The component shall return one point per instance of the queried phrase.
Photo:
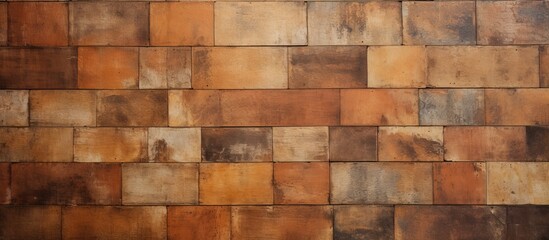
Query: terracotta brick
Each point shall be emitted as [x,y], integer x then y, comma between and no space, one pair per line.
[451,107]
[363,222]
[537,143]
[5,190]
[159,183]
[109,23]
[502,22]
[3,24]
[30,222]
[236,183]
[356,23]
[38,24]
[261,23]
[62,108]
[240,68]
[194,107]
[327,67]
[301,183]
[517,106]
[164,68]
[14,108]
[174,144]
[518,183]
[114,223]
[34,68]
[300,144]
[459,183]
[353,144]
[397,67]
[282,222]
[381,183]
[36,144]
[544,66]
[108,68]
[199,222]
[132,108]
[449,222]
[410,144]
[65,183]
[475,66]
[110,145]
[379,107]
[182,23]
[439,23]
[527,222]
[237,144]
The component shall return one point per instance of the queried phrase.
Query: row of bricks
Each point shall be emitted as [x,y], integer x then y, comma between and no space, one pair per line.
[274,23]
[275,67]
[274,183]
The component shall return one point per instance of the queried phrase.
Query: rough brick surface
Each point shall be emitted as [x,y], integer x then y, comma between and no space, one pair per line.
[300,144]
[517,106]
[518,183]
[110,145]
[544,66]
[174,144]
[38,24]
[353,144]
[168,67]
[30,222]
[527,222]
[363,222]
[132,108]
[301,183]
[237,145]
[181,23]
[199,222]
[379,107]
[459,183]
[397,67]
[48,144]
[62,108]
[451,107]
[410,144]
[107,68]
[14,108]
[3,24]
[5,176]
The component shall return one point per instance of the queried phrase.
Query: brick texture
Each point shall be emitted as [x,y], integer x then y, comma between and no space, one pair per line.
[38,24]
[107,68]
[48,144]
[237,145]
[301,183]
[363,222]
[62,108]
[14,108]
[199,222]
[32,222]
[165,67]
[181,24]
[379,107]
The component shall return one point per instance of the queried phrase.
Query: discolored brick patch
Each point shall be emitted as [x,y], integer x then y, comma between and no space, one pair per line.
[30,222]
[3,24]
[14,108]
[410,144]
[181,23]
[397,67]
[36,144]
[301,183]
[363,222]
[518,183]
[459,183]
[379,107]
[108,68]
[517,106]
[110,145]
[237,144]
[291,144]
[527,222]
[451,107]
[174,144]
[62,108]
[199,222]
[537,143]
[38,24]
[194,108]
[132,108]
[353,143]
[5,181]
[544,66]
[161,67]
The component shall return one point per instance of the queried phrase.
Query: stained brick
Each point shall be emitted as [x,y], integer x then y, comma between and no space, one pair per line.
[108,68]
[300,144]
[397,67]
[110,145]
[301,183]
[537,143]
[363,222]
[410,144]
[5,190]
[527,222]
[36,144]
[261,23]
[182,23]
[517,106]
[194,108]
[38,24]
[353,144]
[132,108]
[451,107]
[459,183]
[62,108]
[544,66]
[174,144]
[30,222]
[65,183]
[199,222]
[14,108]
[237,144]
[518,183]
[3,24]
[164,68]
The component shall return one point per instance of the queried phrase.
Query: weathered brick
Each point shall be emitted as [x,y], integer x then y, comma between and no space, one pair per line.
[451,107]
[108,68]
[114,223]
[62,108]
[487,66]
[14,108]
[363,222]
[38,24]
[327,67]
[410,144]
[397,67]
[509,22]
[381,183]
[282,222]
[356,23]
[30,222]
[517,106]
[174,144]
[353,144]
[110,145]
[109,23]
[5,190]
[3,24]
[301,144]
[236,183]
[36,144]
[527,222]
[159,183]
[537,143]
[240,68]
[379,107]
[132,108]
[194,108]
[261,23]
[199,222]
[518,183]
[161,67]
[65,183]
[182,23]
[301,183]
[459,183]
[237,144]
[544,66]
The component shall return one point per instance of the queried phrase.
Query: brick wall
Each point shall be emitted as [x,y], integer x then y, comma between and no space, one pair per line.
[274,120]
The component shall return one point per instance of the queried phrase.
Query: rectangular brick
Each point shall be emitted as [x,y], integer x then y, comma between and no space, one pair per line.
[65,183]
[30,222]
[3,24]
[132,108]
[14,108]
[240,68]
[363,222]
[487,66]
[237,144]
[544,66]
[379,107]
[527,222]
[109,23]
[381,183]
[199,222]
[410,144]
[356,23]
[327,67]
[163,67]
[62,108]
[35,68]
[36,144]
[397,67]
[194,108]
[38,24]
[459,183]
[110,145]
[517,106]
[353,144]
[537,143]
[108,68]
[5,190]
[300,144]
[451,107]
[518,183]
[182,23]
[174,144]
[236,183]
[301,183]
[261,23]
[282,222]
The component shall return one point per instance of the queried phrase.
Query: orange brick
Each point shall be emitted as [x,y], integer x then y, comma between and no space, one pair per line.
[110,145]
[396,67]
[379,107]
[518,183]
[410,144]
[30,222]
[239,68]
[544,66]
[3,24]
[36,144]
[164,68]
[5,190]
[451,107]
[292,144]
[527,222]
[199,222]
[459,183]
[62,108]
[194,108]
[38,24]
[14,108]
[132,108]
[174,144]
[301,183]
[109,68]
[353,144]
[517,106]
[237,145]
[363,222]
[236,183]
[182,23]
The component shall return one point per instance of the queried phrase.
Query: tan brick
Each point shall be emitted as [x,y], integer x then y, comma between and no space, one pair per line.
[194,108]
[356,23]
[199,222]
[38,24]
[14,108]
[517,106]
[240,68]
[518,183]
[36,144]
[260,23]
[353,144]
[379,107]
[300,144]
[236,183]
[451,107]
[108,68]
[237,144]
[282,222]
[182,23]
[544,66]
[397,67]
[3,24]
[164,67]
[62,108]
[527,222]
[110,145]
[537,143]
[301,183]
[459,183]
[30,222]
[475,66]
[5,190]
[174,144]
[410,144]
[132,108]
[363,222]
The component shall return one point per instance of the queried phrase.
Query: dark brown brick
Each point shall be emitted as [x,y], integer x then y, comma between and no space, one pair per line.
[353,144]
[527,222]
[30,222]
[199,222]
[3,24]
[363,222]
[237,144]
[537,143]
[36,144]
[132,108]
[5,192]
